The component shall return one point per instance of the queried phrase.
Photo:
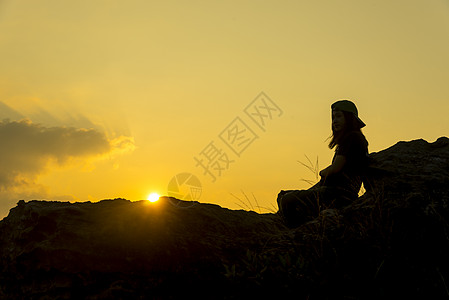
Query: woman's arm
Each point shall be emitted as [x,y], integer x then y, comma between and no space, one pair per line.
[336,166]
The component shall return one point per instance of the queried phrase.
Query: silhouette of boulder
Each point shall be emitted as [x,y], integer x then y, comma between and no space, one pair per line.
[77,249]
[412,167]
[392,242]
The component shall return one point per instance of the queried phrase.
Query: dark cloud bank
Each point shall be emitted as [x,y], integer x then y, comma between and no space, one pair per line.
[28,149]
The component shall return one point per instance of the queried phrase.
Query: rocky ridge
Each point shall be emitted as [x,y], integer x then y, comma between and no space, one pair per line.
[392,242]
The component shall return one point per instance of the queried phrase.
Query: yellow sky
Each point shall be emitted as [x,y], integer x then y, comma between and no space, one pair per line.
[161,80]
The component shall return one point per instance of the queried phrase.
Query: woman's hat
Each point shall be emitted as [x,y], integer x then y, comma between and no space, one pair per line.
[349,106]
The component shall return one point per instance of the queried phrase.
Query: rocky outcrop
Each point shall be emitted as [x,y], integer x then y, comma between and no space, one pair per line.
[391,243]
[83,248]
[413,167]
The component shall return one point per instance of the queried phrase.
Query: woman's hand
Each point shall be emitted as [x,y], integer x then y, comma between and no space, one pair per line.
[336,166]
[323,172]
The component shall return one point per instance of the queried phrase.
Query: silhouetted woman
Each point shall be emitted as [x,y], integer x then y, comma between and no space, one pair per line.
[341,181]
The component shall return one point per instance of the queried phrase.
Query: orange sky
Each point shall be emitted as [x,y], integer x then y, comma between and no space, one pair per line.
[105,99]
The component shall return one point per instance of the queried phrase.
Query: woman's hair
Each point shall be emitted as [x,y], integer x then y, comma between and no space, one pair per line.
[351,124]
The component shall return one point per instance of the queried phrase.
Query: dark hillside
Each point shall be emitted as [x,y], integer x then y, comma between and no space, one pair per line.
[392,243]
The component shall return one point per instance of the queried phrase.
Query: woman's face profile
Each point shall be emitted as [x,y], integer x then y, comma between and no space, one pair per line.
[338,120]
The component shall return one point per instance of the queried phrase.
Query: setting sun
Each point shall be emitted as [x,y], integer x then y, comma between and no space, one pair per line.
[153,197]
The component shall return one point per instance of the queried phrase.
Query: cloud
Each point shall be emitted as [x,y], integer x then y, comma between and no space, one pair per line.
[32,109]
[34,141]
[7,112]
[28,148]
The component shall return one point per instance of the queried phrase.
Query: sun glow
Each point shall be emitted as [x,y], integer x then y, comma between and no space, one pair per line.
[153,197]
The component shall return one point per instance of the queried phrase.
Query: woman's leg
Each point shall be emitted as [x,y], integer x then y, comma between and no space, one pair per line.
[298,207]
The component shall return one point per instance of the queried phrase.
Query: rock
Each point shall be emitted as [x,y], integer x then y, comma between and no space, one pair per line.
[80,248]
[413,167]
[390,243]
